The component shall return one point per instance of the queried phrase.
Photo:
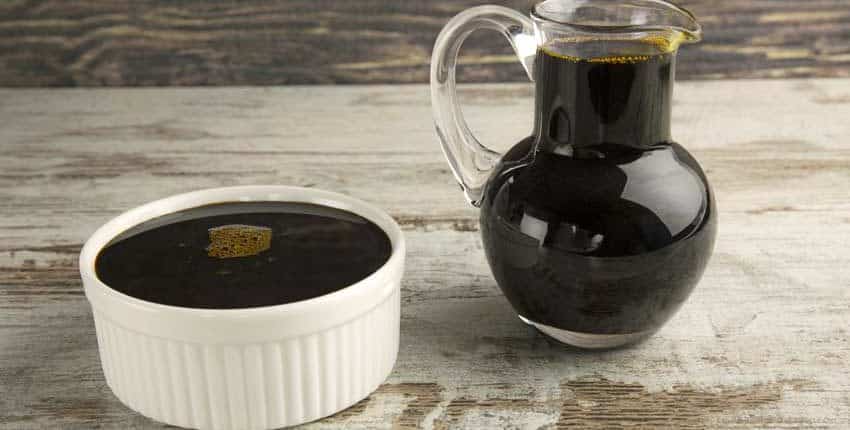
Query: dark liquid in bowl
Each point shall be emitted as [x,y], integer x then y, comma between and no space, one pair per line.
[243,254]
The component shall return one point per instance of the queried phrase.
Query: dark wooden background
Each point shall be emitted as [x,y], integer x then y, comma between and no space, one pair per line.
[254,42]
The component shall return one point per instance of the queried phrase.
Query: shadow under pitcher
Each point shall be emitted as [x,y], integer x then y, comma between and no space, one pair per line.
[598,226]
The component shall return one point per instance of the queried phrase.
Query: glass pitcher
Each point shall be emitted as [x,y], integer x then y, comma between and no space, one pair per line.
[598,226]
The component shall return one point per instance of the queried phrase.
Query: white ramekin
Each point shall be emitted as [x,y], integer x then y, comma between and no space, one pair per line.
[258,368]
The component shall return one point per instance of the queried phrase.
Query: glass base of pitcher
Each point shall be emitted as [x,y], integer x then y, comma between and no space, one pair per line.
[589,340]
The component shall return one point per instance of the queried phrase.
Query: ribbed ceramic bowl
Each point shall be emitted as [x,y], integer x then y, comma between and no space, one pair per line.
[257,368]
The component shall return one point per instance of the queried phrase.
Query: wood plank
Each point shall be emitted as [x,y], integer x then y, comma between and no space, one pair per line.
[216,42]
[763,342]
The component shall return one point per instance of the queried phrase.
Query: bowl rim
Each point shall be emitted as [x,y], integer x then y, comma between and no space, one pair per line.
[371,288]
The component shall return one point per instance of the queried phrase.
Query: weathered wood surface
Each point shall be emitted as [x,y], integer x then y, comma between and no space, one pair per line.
[763,342]
[256,42]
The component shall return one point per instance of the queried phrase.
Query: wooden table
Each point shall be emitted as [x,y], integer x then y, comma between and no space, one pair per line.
[763,342]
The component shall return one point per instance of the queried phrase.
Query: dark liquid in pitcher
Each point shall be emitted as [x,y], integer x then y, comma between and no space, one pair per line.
[598,223]
[620,99]
[244,254]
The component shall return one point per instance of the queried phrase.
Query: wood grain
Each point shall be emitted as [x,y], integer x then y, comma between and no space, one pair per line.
[253,42]
[763,342]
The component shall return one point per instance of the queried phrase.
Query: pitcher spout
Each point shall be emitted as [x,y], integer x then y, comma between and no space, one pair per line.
[664,23]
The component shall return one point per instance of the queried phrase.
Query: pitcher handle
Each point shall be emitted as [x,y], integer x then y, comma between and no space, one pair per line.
[470,161]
